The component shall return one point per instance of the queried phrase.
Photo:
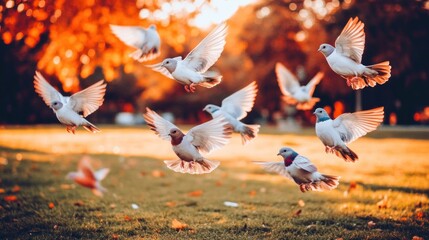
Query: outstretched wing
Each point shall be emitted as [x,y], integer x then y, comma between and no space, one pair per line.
[130,35]
[351,41]
[210,135]
[288,83]
[158,124]
[207,52]
[159,68]
[304,163]
[354,125]
[276,167]
[48,93]
[309,88]
[89,99]
[241,102]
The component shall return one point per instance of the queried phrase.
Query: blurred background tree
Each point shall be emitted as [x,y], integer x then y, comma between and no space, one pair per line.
[71,44]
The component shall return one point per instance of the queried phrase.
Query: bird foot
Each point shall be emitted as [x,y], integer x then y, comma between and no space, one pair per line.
[329,149]
[190,88]
[73,129]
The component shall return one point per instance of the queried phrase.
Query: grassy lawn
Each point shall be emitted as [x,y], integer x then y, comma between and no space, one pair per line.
[383,196]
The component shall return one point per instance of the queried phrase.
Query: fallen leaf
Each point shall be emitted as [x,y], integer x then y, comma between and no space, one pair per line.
[176,225]
[252,193]
[301,203]
[170,204]
[55,226]
[112,205]
[419,214]
[158,173]
[417,238]
[78,203]
[371,224]
[352,186]
[263,190]
[127,218]
[51,205]
[383,203]
[52,189]
[16,189]
[196,193]
[2,190]
[115,236]
[219,183]
[403,219]
[10,198]
[67,186]
[143,173]
[3,161]
[339,239]
[297,213]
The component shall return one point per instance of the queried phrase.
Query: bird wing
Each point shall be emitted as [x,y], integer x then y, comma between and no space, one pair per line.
[311,86]
[304,163]
[288,83]
[48,93]
[241,102]
[207,52]
[354,125]
[131,36]
[101,173]
[89,99]
[210,135]
[351,41]
[158,124]
[276,167]
[159,68]
[84,167]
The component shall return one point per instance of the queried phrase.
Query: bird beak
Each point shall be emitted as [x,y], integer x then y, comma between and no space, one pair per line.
[278,154]
[320,49]
[314,112]
[205,109]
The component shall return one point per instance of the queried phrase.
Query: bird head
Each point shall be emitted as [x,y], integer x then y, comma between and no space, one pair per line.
[326,49]
[176,136]
[170,64]
[210,108]
[286,152]
[56,105]
[321,114]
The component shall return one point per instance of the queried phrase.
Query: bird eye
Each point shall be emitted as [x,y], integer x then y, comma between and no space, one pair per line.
[167,62]
[324,47]
[174,131]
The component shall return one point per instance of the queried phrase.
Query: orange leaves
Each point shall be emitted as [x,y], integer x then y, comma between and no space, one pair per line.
[51,205]
[297,213]
[16,189]
[371,224]
[196,193]
[10,198]
[252,193]
[127,218]
[178,226]
[301,203]
[2,190]
[383,203]
[170,204]
[158,173]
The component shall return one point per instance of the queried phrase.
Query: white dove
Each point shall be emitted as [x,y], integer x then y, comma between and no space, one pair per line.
[146,41]
[203,138]
[293,93]
[234,108]
[301,170]
[192,70]
[346,128]
[67,109]
[86,177]
[345,59]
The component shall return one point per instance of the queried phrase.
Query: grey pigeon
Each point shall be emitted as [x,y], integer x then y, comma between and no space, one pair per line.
[234,108]
[345,58]
[68,109]
[192,70]
[203,138]
[146,41]
[293,92]
[301,170]
[346,128]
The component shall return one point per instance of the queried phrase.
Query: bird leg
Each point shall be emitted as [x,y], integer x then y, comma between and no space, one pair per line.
[192,87]
[329,149]
[73,129]
[302,187]
[68,128]
[187,88]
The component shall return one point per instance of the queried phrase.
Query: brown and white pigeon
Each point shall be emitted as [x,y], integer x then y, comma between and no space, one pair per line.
[301,170]
[203,138]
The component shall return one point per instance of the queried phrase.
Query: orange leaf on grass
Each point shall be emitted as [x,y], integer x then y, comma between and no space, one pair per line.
[10,198]
[66,186]
[301,203]
[127,218]
[419,213]
[196,193]
[158,173]
[176,225]
[383,203]
[252,193]
[51,205]
[170,204]
[417,238]
[115,236]
[371,224]
[78,203]
[297,213]
[16,189]
[2,190]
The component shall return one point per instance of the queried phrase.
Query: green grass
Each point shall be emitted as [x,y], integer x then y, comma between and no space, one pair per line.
[268,204]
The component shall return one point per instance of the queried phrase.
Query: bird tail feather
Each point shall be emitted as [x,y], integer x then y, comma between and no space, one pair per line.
[346,153]
[211,79]
[195,167]
[382,75]
[307,105]
[328,182]
[91,127]
[249,133]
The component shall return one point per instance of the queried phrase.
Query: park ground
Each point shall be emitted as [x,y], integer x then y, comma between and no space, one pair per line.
[382,196]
